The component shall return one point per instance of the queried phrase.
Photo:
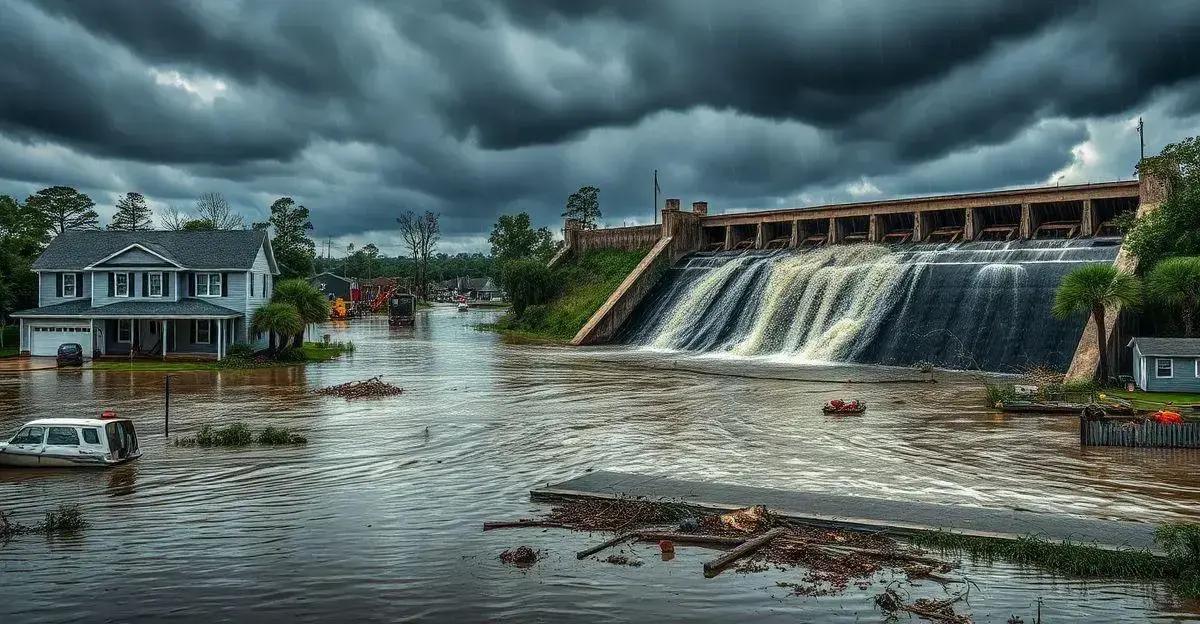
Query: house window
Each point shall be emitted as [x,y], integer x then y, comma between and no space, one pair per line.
[208,284]
[264,286]
[251,284]
[1164,368]
[68,282]
[121,285]
[125,330]
[155,284]
[201,332]
[1198,368]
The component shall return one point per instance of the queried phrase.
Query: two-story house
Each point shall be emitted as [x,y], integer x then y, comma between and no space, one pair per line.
[150,293]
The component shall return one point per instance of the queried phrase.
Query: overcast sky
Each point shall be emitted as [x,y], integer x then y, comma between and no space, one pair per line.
[360,110]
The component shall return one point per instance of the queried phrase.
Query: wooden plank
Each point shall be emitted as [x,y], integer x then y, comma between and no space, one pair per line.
[607,544]
[745,548]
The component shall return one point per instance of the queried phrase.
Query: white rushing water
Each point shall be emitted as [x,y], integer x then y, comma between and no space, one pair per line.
[968,305]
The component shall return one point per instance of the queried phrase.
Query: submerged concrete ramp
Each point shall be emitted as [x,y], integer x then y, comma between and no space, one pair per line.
[859,513]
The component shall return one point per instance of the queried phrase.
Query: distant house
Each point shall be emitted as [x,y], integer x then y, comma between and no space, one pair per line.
[149,293]
[1166,364]
[335,286]
[477,288]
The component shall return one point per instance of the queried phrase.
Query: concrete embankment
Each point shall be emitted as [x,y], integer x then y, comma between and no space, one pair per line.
[858,513]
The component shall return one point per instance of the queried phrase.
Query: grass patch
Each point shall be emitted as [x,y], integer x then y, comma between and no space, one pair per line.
[239,434]
[1180,570]
[1155,400]
[310,353]
[583,286]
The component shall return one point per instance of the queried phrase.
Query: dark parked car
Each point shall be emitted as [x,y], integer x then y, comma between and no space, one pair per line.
[70,354]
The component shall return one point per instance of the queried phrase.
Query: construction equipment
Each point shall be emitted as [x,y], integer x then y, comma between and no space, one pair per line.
[384,298]
[338,311]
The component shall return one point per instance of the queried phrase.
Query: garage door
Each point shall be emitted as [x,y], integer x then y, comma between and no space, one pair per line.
[45,339]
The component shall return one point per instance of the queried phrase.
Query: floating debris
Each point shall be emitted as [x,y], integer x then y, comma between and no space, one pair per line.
[521,556]
[62,520]
[365,389]
[623,560]
[752,540]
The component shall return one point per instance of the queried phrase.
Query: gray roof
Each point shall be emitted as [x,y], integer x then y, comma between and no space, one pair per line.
[329,274]
[187,307]
[216,249]
[470,283]
[1168,347]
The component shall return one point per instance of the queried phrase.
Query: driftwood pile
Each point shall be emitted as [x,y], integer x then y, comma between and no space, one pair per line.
[753,540]
[365,389]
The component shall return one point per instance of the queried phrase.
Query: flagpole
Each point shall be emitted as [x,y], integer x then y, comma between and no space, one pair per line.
[655,209]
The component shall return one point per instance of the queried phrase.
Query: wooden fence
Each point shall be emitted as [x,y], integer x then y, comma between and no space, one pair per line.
[1138,433]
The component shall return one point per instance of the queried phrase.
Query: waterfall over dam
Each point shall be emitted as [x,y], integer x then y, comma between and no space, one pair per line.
[975,305]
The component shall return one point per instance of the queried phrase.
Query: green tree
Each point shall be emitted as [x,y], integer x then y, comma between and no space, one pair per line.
[312,305]
[64,208]
[528,282]
[584,206]
[1176,283]
[23,235]
[132,215]
[277,319]
[294,250]
[1173,229]
[513,238]
[1094,288]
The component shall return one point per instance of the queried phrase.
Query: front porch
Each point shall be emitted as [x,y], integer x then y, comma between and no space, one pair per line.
[186,338]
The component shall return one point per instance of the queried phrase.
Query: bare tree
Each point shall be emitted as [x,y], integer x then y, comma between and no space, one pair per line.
[420,234]
[172,219]
[216,211]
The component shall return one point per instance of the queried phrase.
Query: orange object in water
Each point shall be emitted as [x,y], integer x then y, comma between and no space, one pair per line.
[1167,417]
[667,546]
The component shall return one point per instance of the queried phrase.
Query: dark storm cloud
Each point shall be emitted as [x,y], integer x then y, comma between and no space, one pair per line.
[363,108]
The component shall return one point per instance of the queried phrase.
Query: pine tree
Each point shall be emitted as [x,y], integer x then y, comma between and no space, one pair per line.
[584,205]
[64,208]
[132,214]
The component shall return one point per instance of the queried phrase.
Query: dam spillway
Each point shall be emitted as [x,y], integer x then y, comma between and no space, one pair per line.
[975,305]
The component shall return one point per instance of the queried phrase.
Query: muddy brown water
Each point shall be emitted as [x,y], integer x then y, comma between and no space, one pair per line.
[378,517]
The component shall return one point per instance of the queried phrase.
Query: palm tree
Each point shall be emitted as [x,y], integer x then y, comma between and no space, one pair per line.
[1176,282]
[308,301]
[280,319]
[1095,288]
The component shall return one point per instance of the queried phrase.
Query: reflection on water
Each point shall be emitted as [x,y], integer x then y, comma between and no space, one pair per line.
[378,517]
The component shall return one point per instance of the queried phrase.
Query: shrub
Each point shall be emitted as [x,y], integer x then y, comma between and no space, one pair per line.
[63,519]
[279,435]
[1181,540]
[241,350]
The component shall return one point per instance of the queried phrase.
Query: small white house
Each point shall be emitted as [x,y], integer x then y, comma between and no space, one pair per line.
[1166,364]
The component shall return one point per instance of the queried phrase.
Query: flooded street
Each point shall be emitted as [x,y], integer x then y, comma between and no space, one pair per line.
[378,517]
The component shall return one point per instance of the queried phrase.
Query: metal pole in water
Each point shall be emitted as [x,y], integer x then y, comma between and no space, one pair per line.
[167,406]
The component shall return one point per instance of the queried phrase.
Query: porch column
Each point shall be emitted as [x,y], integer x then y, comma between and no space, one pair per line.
[92,332]
[20,336]
[220,337]
[164,338]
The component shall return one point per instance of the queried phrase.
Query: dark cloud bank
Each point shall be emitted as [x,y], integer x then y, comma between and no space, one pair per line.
[363,109]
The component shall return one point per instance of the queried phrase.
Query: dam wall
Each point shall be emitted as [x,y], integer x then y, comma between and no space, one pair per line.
[1000,252]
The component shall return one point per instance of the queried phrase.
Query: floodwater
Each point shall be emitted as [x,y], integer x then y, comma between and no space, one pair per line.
[378,517]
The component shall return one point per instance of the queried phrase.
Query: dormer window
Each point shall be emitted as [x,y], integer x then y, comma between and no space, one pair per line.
[121,285]
[155,284]
[68,285]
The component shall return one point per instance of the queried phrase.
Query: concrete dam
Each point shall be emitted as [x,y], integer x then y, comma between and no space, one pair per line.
[961,305]
[956,281]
